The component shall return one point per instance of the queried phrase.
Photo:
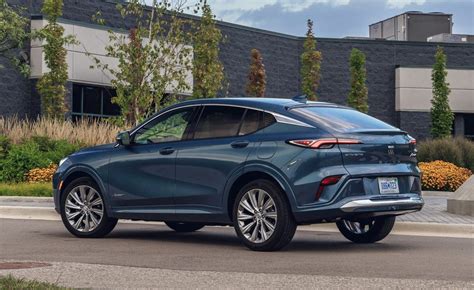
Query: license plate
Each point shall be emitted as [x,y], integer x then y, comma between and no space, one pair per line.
[388,185]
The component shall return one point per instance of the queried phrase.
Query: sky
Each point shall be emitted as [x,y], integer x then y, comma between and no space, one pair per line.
[335,18]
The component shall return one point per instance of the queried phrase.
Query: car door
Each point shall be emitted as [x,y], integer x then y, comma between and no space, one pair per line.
[142,175]
[219,147]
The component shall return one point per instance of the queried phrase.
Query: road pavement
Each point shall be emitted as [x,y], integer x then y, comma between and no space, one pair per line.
[141,255]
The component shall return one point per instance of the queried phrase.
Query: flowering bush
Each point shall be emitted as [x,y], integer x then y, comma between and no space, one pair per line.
[41,174]
[441,175]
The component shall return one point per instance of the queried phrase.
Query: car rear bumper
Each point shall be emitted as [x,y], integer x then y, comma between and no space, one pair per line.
[367,204]
[361,207]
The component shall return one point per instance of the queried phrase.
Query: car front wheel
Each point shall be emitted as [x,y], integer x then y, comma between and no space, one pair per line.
[368,230]
[262,216]
[83,210]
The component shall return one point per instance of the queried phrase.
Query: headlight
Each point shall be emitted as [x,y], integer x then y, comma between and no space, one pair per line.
[62,161]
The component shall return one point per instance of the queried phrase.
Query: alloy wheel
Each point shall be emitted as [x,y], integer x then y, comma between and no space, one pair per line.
[257,215]
[84,208]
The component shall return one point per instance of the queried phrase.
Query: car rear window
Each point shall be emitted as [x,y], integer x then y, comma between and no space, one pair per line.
[341,119]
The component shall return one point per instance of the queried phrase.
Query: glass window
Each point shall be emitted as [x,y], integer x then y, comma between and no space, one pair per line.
[167,128]
[341,119]
[268,119]
[469,126]
[110,108]
[218,121]
[92,100]
[251,122]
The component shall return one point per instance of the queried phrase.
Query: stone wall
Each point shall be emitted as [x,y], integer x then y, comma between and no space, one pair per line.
[281,57]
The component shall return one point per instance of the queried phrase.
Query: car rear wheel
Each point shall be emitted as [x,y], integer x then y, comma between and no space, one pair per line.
[184,227]
[83,210]
[262,216]
[366,231]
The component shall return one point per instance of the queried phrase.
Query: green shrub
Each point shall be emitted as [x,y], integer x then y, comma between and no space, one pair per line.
[54,150]
[19,160]
[5,144]
[458,151]
[35,152]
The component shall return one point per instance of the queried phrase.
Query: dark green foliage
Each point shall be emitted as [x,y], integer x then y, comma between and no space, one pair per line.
[19,160]
[5,144]
[458,151]
[208,71]
[358,95]
[36,152]
[441,115]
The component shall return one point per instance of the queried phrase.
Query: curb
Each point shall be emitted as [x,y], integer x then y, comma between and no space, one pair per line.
[401,228]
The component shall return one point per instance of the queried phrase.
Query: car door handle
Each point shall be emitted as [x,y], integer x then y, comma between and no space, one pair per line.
[166,151]
[239,144]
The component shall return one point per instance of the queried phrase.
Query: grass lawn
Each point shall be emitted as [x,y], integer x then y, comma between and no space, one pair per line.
[26,189]
[10,282]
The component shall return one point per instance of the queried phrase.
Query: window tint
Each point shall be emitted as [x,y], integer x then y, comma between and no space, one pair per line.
[341,119]
[170,127]
[251,122]
[268,119]
[218,121]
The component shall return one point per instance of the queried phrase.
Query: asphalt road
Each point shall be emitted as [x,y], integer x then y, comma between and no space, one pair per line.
[217,250]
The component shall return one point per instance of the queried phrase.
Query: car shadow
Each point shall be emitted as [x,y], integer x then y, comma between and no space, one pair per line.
[226,237]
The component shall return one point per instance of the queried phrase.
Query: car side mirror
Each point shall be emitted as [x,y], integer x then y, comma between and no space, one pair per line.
[123,138]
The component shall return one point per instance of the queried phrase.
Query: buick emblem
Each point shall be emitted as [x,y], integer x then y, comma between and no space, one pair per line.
[391,150]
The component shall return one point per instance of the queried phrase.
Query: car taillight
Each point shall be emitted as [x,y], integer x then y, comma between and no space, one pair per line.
[412,142]
[330,180]
[324,143]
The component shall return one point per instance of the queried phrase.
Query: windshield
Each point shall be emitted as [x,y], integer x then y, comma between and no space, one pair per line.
[341,119]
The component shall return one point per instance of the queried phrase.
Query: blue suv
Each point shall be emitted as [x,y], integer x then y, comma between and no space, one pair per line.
[261,165]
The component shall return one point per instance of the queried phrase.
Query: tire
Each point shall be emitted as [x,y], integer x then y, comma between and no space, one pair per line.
[184,227]
[272,210]
[377,229]
[88,193]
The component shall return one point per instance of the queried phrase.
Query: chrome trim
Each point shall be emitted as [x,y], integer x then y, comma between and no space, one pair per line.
[367,203]
[287,120]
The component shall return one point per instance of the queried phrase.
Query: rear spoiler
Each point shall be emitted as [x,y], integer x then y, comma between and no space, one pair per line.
[380,131]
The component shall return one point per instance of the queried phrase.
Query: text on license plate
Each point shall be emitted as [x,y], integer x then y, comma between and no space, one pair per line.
[388,185]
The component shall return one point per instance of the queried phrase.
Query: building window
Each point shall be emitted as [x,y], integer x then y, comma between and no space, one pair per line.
[469,126]
[93,101]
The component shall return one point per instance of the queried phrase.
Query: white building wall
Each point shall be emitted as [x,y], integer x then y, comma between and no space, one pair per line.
[413,89]
[91,39]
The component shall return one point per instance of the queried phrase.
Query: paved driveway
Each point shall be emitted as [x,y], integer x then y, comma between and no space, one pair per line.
[143,255]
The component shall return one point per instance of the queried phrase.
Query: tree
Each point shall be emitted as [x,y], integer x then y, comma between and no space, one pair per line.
[153,58]
[358,94]
[256,79]
[13,34]
[310,65]
[441,115]
[208,71]
[52,85]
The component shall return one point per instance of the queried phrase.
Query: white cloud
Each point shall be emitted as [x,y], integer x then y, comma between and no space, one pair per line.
[403,3]
[232,10]
[252,5]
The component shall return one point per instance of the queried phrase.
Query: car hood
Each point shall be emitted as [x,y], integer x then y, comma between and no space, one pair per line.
[94,149]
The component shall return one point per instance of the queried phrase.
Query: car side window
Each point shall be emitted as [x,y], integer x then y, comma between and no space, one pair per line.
[167,128]
[218,121]
[251,122]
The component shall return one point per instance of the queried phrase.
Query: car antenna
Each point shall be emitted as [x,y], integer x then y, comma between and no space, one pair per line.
[300,99]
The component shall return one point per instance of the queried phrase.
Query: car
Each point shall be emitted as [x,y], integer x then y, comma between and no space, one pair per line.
[261,165]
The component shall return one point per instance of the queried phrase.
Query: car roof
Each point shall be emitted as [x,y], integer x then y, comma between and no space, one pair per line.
[271,104]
